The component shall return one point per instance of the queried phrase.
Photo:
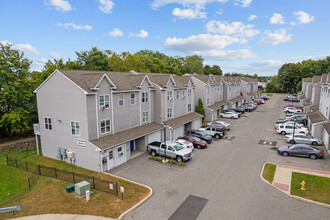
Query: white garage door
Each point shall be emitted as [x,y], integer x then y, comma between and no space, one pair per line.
[177,132]
[196,124]
[326,139]
[154,137]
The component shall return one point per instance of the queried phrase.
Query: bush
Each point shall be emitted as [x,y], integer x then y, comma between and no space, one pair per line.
[172,162]
[181,164]
[160,159]
[200,108]
[152,158]
[274,148]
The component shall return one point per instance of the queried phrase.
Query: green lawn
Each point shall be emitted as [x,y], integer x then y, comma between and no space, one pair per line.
[48,194]
[269,172]
[317,188]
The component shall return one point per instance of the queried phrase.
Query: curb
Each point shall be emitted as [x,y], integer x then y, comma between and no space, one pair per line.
[139,203]
[293,196]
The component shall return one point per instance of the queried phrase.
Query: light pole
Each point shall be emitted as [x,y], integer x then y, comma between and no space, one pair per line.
[164,125]
[294,127]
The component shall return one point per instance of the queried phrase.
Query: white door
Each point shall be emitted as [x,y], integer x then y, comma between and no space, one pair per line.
[196,124]
[111,161]
[326,139]
[154,137]
[120,154]
[177,132]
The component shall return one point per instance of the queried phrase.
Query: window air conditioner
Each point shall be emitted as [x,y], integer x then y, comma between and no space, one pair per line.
[101,108]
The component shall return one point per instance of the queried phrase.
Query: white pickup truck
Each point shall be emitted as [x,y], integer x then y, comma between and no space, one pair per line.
[173,150]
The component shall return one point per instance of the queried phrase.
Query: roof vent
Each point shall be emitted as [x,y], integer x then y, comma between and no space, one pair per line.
[132,72]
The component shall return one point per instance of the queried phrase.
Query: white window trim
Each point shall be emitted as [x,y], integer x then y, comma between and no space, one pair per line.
[189,93]
[169,95]
[145,97]
[171,112]
[119,100]
[143,116]
[104,95]
[133,99]
[177,94]
[51,123]
[190,107]
[78,135]
[105,126]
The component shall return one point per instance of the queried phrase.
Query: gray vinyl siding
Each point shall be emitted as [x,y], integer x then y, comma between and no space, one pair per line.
[54,102]
[104,89]
[157,105]
[180,104]
[200,91]
[91,116]
[170,104]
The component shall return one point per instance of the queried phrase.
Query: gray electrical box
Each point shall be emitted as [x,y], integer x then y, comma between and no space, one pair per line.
[81,188]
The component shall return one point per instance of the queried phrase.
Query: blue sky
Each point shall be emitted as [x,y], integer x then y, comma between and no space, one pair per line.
[248,36]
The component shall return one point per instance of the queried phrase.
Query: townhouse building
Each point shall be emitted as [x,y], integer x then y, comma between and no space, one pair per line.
[99,120]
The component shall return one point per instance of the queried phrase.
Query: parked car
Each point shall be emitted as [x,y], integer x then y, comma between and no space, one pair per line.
[290,128]
[289,123]
[291,110]
[226,124]
[173,150]
[213,131]
[248,107]
[295,106]
[265,96]
[239,109]
[185,144]
[290,97]
[259,101]
[220,127]
[200,134]
[303,139]
[197,142]
[233,111]
[301,150]
[295,99]
[298,121]
[228,115]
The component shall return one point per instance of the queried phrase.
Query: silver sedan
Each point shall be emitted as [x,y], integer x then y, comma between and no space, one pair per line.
[303,139]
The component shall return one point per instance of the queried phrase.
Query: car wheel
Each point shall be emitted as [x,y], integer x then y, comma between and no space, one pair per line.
[283,133]
[302,132]
[179,159]
[153,153]
[285,154]
[287,111]
[221,116]
[232,117]
[199,146]
[314,143]
[217,136]
[312,156]
[292,142]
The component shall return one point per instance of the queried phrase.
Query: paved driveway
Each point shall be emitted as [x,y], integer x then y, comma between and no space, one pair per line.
[226,175]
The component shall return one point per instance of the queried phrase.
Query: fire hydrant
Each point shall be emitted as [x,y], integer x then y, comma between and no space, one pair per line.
[303,185]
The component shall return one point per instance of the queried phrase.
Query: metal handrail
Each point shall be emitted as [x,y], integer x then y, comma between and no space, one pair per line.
[12,209]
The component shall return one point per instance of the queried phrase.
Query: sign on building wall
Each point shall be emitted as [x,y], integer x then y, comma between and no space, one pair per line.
[81,143]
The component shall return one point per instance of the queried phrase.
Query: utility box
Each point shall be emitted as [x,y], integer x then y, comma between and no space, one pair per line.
[69,188]
[81,188]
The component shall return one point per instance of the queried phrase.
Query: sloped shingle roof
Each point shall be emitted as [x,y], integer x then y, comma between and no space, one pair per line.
[181,120]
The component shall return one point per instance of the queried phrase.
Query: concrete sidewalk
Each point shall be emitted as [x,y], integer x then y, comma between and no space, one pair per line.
[283,176]
[63,217]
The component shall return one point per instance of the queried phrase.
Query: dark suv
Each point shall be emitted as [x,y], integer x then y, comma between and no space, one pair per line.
[200,134]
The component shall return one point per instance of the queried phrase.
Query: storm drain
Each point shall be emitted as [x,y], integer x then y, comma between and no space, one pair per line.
[189,209]
[271,143]
[229,138]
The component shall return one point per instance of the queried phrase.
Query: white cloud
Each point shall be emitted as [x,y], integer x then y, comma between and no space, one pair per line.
[293,23]
[226,54]
[252,17]
[40,62]
[106,6]
[265,65]
[21,47]
[188,13]
[116,33]
[219,11]
[202,42]
[142,34]
[246,3]
[236,28]
[75,26]
[198,3]
[279,36]
[60,5]
[54,55]
[303,17]
[277,19]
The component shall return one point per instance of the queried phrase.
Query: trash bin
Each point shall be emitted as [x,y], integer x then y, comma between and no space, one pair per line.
[69,188]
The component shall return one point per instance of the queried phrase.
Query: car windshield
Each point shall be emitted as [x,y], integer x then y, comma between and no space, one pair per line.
[197,139]
[177,147]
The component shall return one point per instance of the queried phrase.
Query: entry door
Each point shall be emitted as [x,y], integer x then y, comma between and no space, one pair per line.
[104,162]
[120,154]
[111,160]
[132,145]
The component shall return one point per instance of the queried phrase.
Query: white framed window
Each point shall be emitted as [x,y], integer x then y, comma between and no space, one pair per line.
[177,94]
[48,124]
[189,92]
[189,107]
[75,128]
[104,101]
[133,98]
[145,116]
[145,97]
[183,94]
[169,95]
[169,113]
[105,126]
[121,99]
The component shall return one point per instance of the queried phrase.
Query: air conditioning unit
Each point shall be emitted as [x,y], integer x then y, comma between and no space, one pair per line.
[101,108]
[70,154]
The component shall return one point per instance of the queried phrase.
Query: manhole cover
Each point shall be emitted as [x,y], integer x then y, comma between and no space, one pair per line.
[264,142]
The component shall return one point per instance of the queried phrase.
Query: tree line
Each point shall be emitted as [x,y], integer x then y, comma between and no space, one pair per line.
[290,75]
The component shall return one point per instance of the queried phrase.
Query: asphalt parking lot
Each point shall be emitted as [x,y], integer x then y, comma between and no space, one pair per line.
[224,178]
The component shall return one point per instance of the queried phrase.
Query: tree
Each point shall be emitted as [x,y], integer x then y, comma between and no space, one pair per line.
[199,108]
[193,64]
[125,62]
[289,75]
[93,59]
[17,101]
[273,86]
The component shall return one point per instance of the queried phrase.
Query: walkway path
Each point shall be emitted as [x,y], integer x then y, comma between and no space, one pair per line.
[283,176]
